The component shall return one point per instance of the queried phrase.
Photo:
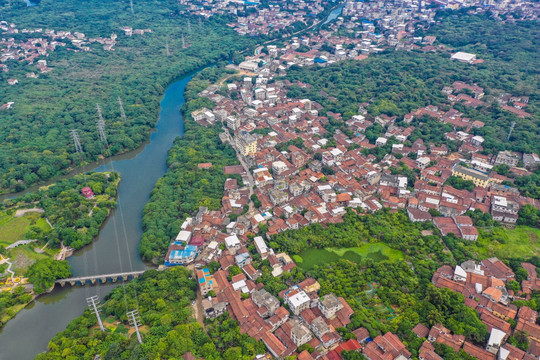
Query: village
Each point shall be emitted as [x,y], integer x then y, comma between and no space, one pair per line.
[294,174]
[38,43]
[396,18]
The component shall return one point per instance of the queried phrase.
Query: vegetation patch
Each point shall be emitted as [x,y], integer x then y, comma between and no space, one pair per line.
[12,228]
[184,188]
[522,242]
[376,252]
[168,327]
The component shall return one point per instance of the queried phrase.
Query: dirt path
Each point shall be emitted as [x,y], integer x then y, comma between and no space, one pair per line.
[21,212]
[197,307]
[240,72]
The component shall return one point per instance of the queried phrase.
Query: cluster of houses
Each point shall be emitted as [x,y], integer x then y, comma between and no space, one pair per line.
[41,43]
[301,177]
[377,24]
[295,172]
[484,286]
[298,315]
[253,19]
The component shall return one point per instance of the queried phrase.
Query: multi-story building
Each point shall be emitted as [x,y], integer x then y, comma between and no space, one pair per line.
[300,334]
[477,177]
[298,302]
[206,281]
[233,123]
[246,144]
[507,158]
[264,300]
[329,305]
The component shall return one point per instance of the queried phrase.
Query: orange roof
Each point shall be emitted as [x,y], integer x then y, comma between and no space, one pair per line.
[494,293]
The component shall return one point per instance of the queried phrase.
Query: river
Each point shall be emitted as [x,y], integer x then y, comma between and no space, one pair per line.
[116,247]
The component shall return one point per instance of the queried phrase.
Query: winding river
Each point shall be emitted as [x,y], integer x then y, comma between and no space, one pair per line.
[116,247]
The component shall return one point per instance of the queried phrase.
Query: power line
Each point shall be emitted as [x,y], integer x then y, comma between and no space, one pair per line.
[189,26]
[100,124]
[183,42]
[167,47]
[122,112]
[131,5]
[77,141]
[135,321]
[95,307]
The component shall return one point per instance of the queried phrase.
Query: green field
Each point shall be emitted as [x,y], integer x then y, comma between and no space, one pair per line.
[376,252]
[521,242]
[14,228]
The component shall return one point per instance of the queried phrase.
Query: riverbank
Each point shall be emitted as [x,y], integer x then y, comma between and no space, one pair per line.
[78,208]
[82,168]
[184,188]
[116,247]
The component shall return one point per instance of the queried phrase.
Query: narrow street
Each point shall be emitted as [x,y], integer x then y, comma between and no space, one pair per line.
[244,165]
[198,312]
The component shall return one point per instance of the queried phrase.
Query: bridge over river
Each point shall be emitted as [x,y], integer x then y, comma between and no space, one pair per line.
[99,279]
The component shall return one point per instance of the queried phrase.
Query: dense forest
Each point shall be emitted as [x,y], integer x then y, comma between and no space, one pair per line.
[35,140]
[76,219]
[185,188]
[395,83]
[163,299]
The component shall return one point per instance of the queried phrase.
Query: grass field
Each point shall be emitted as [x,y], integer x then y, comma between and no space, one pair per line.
[23,256]
[521,242]
[13,228]
[376,251]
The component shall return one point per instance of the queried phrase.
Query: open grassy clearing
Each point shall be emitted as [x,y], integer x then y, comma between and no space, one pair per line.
[376,252]
[14,228]
[521,242]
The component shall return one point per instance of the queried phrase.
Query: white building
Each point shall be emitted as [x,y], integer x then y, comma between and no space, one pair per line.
[183,236]
[233,244]
[261,247]
[298,302]
[464,57]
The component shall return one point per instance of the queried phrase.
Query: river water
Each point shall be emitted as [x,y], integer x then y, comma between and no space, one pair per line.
[116,247]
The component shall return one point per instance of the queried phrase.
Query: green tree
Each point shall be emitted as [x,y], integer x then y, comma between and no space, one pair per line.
[43,273]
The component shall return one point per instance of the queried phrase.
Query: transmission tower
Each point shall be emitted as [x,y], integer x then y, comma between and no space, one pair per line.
[510,132]
[135,321]
[122,112]
[101,129]
[100,124]
[77,141]
[95,307]
[99,112]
